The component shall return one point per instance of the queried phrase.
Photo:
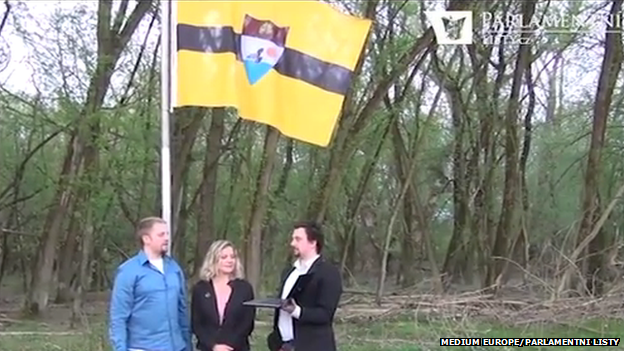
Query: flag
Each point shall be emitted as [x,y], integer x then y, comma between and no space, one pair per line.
[287,64]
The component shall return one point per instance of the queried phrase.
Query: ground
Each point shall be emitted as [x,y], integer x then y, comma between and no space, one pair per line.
[389,336]
[402,323]
[400,333]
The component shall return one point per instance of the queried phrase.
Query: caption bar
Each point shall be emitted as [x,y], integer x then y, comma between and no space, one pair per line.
[520,342]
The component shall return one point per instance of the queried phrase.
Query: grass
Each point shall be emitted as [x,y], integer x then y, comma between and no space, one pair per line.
[398,335]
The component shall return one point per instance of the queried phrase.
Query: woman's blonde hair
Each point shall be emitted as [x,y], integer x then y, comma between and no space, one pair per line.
[211,260]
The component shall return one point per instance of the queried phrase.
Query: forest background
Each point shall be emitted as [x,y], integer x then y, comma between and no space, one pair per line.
[469,190]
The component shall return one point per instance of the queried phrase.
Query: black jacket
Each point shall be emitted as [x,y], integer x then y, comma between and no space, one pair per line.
[238,321]
[317,293]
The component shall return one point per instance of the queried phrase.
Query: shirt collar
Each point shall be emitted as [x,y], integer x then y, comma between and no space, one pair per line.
[305,264]
[142,257]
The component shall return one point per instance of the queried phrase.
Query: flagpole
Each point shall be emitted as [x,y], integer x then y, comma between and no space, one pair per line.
[165,109]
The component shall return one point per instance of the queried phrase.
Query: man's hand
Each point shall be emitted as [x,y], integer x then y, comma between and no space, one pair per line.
[289,305]
[222,347]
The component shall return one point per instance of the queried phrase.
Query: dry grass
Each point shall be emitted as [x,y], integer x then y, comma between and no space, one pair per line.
[402,323]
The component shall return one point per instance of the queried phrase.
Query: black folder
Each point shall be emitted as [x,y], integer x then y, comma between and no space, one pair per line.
[270,302]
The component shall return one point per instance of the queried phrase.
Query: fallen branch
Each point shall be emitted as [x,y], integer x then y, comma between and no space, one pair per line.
[511,312]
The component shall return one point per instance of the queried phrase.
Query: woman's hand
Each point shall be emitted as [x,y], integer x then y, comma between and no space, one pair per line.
[222,347]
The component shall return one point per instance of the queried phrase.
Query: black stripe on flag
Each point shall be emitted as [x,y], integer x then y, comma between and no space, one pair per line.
[293,63]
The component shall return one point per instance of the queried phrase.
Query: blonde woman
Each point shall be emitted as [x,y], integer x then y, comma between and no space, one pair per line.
[218,317]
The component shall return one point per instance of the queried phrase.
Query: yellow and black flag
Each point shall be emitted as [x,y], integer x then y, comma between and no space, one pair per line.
[287,64]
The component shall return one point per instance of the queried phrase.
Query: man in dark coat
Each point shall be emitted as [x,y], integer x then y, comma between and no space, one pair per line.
[311,288]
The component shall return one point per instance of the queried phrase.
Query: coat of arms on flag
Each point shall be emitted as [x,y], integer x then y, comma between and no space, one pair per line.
[262,45]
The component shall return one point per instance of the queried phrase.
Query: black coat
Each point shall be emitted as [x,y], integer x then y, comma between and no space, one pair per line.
[238,321]
[317,293]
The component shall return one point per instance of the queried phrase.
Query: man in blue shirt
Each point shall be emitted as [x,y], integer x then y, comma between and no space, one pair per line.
[148,309]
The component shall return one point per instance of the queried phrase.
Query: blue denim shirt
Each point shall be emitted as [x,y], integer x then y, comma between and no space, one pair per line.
[148,309]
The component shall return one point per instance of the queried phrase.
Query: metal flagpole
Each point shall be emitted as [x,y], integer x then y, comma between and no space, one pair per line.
[165,92]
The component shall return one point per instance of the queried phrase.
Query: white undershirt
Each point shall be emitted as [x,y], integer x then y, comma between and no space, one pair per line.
[285,319]
[158,263]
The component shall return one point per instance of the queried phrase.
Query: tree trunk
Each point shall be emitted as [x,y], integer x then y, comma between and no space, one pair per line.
[457,256]
[483,155]
[611,65]
[545,214]
[347,240]
[187,122]
[42,268]
[112,40]
[66,261]
[253,257]
[92,182]
[519,247]
[208,194]
[458,253]
[507,220]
